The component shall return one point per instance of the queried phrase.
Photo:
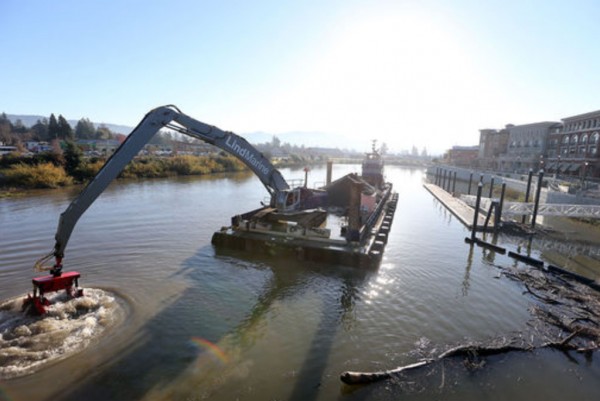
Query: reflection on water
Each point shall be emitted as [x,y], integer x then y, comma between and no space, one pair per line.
[222,326]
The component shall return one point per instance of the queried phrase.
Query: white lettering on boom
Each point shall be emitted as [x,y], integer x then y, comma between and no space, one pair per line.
[246,155]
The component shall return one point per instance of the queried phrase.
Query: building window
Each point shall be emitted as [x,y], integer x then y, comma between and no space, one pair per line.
[593,150]
[582,151]
[565,140]
[595,138]
[573,139]
[584,139]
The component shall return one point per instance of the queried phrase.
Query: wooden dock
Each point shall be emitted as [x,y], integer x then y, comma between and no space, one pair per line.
[463,212]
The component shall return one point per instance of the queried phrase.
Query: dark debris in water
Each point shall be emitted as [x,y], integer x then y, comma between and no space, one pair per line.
[565,316]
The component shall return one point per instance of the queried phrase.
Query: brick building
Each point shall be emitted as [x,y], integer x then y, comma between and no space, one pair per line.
[464,156]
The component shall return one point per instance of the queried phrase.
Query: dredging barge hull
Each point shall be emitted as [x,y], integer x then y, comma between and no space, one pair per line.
[364,251]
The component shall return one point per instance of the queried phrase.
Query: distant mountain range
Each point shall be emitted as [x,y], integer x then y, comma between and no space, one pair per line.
[298,138]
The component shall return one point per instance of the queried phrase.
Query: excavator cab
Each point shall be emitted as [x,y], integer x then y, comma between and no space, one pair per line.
[287,200]
[300,198]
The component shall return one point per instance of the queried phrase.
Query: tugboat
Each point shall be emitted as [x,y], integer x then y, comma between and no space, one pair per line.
[372,167]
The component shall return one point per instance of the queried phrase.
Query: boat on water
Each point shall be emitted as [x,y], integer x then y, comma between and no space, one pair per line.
[345,222]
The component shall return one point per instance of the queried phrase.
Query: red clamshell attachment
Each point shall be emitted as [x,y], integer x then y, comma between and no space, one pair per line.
[57,281]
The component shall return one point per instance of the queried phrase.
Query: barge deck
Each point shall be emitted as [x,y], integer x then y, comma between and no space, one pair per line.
[313,244]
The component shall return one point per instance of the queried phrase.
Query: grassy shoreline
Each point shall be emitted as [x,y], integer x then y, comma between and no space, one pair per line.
[20,177]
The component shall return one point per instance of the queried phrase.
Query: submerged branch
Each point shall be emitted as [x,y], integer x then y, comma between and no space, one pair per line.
[566,308]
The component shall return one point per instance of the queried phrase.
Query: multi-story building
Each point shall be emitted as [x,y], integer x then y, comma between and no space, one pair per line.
[526,146]
[464,156]
[574,151]
[492,144]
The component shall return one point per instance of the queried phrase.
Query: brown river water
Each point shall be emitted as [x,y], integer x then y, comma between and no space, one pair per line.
[167,317]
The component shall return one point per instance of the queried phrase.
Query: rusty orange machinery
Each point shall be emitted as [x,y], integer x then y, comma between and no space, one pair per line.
[57,281]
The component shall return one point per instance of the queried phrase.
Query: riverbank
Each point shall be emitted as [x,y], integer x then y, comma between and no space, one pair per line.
[21,175]
[24,175]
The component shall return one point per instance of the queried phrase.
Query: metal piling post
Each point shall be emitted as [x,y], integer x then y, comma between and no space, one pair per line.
[527,192]
[454,183]
[470,181]
[476,214]
[498,215]
[537,198]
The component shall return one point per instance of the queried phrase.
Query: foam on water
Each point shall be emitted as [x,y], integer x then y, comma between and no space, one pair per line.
[28,343]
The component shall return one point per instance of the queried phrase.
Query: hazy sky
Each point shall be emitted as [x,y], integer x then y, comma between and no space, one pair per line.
[424,73]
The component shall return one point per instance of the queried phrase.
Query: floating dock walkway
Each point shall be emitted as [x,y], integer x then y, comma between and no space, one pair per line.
[463,212]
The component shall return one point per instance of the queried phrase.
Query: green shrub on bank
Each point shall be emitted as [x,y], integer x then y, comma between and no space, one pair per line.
[44,175]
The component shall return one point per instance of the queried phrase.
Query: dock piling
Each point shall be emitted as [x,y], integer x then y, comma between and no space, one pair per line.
[527,192]
[537,198]
[491,187]
[470,181]
[454,183]
[476,215]
[444,173]
[498,215]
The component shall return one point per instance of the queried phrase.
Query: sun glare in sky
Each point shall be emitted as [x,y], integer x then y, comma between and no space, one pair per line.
[427,73]
[382,76]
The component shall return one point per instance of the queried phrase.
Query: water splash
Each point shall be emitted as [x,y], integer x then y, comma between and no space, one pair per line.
[27,343]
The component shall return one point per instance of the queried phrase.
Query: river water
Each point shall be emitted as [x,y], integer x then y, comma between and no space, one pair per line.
[173,319]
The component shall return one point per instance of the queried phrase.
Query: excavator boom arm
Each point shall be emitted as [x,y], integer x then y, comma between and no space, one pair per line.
[166,116]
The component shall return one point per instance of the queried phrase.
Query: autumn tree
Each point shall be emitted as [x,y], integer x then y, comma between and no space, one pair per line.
[103,133]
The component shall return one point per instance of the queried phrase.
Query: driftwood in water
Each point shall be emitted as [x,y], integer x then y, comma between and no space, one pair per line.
[565,310]
[470,352]
[370,377]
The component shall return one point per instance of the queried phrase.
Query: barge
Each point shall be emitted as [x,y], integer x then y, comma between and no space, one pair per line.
[348,223]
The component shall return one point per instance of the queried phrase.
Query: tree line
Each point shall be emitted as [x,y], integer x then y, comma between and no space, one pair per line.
[50,129]
[55,129]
